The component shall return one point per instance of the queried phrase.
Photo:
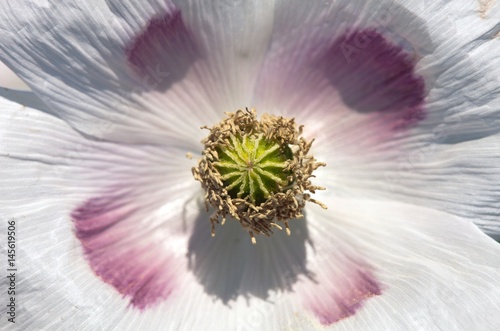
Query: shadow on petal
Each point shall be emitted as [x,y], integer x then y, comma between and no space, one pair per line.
[163,53]
[374,68]
[372,74]
[25,98]
[229,265]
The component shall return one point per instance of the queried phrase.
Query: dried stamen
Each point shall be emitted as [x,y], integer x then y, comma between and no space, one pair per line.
[258,172]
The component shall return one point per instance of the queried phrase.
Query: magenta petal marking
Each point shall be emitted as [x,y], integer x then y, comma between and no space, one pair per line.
[163,52]
[132,265]
[342,302]
[376,75]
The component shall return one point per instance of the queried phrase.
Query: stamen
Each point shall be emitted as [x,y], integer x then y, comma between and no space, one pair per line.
[257,172]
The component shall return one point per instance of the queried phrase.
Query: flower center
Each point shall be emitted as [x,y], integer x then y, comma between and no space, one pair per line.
[254,167]
[257,172]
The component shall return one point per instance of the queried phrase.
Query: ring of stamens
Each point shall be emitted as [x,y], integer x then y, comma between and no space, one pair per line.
[257,172]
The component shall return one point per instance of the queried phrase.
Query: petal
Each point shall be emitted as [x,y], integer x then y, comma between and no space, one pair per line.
[348,66]
[230,266]
[435,271]
[83,73]
[397,91]
[143,67]
[448,162]
[32,187]
[116,196]
[134,242]
[26,98]
[130,226]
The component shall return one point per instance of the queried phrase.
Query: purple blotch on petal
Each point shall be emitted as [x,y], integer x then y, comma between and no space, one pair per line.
[346,300]
[375,75]
[128,263]
[163,52]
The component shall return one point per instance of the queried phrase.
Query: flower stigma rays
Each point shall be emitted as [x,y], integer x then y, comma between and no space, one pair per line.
[257,172]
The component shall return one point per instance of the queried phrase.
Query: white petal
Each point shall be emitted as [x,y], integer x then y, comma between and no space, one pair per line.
[397,86]
[127,204]
[346,63]
[145,68]
[25,98]
[449,161]
[435,271]
[83,72]
[32,153]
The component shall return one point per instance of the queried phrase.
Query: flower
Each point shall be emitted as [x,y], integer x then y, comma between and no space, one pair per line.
[401,98]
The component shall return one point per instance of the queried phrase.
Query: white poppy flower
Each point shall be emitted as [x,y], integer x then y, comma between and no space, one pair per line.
[111,232]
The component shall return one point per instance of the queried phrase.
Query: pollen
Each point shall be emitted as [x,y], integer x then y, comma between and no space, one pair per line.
[256,172]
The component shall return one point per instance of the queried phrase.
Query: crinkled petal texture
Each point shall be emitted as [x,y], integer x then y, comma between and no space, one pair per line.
[408,97]
[143,66]
[112,230]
